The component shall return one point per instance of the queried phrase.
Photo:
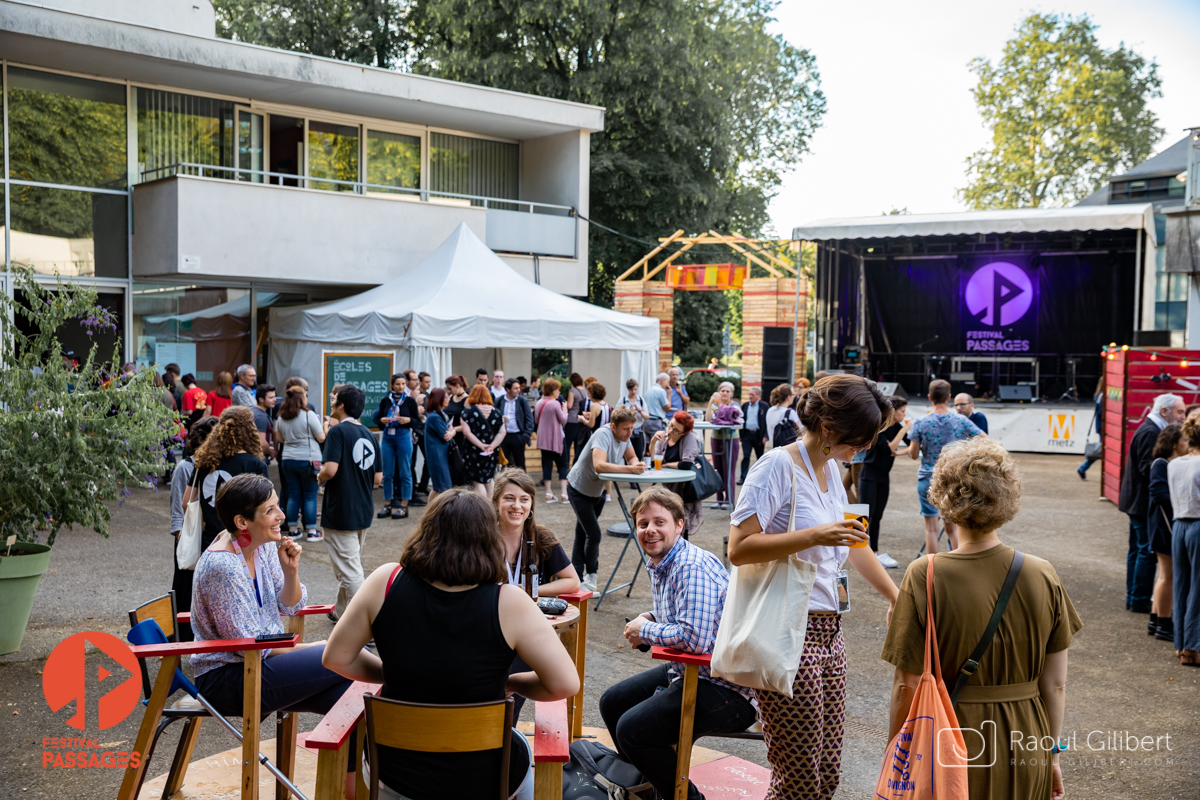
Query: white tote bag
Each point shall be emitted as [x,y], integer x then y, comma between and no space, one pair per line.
[187,549]
[761,635]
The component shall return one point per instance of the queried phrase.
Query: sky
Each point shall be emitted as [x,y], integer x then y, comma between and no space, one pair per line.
[900,120]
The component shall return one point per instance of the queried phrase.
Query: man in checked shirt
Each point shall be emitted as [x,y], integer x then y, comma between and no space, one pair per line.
[642,712]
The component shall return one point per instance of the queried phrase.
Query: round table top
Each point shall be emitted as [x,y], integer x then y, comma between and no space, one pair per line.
[651,476]
[712,426]
[564,620]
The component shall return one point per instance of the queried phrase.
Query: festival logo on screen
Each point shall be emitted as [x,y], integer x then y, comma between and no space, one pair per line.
[999,309]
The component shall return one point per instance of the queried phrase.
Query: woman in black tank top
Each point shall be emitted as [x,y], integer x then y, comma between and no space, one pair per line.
[447,632]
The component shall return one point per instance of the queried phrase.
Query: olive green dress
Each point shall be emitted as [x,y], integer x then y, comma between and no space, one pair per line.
[1040,619]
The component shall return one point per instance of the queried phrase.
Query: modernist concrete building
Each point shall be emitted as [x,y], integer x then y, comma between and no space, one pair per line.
[200,182]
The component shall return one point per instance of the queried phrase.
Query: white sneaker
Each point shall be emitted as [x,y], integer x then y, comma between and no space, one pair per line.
[589,581]
[887,561]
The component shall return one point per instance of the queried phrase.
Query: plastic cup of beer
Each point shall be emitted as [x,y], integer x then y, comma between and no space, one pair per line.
[860,512]
[658,460]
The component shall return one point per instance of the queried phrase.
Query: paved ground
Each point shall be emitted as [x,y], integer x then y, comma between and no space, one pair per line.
[1120,680]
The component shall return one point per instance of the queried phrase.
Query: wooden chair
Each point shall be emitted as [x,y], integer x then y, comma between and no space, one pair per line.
[163,611]
[687,713]
[331,740]
[427,728]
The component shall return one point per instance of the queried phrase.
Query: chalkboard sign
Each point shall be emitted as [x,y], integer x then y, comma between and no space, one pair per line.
[370,372]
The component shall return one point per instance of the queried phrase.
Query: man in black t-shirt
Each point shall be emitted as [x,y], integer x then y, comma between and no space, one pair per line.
[264,395]
[350,470]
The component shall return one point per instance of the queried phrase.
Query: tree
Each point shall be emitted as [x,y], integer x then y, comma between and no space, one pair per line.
[1065,114]
[362,31]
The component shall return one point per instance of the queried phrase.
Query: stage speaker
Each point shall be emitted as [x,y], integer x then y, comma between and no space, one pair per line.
[779,358]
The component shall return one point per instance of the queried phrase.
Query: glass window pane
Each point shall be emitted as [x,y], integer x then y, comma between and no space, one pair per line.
[393,159]
[66,130]
[250,145]
[1160,317]
[175,129]
[332,153]
[1179,286]
[1160,287]
[205,330]
[1176,316]
[464,165]
[70,232]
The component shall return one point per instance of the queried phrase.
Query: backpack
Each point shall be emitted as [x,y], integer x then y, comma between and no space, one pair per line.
[596,772]
[786,431]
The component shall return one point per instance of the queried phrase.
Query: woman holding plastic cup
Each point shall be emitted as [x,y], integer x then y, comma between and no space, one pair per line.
[841,415]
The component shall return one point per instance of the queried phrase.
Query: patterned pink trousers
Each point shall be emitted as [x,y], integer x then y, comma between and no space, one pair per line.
[804,734]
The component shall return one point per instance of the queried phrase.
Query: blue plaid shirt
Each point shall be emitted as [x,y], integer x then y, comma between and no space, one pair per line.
[689,587]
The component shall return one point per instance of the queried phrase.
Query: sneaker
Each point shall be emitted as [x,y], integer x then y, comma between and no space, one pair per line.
[384,512]
[887,561]
[607,497]
[589,582]
[316,536]
[1082,475]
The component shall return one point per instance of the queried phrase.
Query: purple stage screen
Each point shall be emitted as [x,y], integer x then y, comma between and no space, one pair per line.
[998,312]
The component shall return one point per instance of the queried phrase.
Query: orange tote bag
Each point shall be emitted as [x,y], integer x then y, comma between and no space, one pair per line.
[927,759]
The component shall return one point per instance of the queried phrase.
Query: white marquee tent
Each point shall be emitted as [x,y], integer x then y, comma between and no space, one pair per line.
[461,296]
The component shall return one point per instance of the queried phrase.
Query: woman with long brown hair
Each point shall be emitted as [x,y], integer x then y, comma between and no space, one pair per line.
[233,448]
[221,397]
[451,597]
[792,503]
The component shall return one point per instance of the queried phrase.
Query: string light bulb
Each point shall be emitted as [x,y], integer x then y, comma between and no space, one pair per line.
[1154,356]
[1124,347]
[1183,363]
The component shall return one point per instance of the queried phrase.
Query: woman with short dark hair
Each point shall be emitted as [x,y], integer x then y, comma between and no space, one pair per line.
[1019,685]
[439,431]
[245,581]
[792,503]
[451,602]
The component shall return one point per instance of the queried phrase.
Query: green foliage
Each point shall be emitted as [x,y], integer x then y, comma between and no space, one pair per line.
[703,385]
[1065,114]
[71,440]
[57,138]
[362,31]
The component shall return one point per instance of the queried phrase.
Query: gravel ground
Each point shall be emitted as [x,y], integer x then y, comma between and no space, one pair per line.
[1120,680]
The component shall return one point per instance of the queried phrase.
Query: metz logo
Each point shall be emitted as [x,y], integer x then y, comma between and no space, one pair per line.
[1062,430]
[90,680]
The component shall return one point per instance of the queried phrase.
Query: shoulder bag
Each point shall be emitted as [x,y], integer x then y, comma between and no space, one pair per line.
[704,485]
[187,549]
[761,635]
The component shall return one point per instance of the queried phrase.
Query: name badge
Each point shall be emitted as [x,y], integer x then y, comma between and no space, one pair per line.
[843,591]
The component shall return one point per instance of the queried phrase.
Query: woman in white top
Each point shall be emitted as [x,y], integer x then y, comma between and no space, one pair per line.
[841,415]
[781,401]
[1183,476]
[301,433]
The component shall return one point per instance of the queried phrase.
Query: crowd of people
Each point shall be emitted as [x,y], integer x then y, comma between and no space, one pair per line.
[1160,492]
[459,591]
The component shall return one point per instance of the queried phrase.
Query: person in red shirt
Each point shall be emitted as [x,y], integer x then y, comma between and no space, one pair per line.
[194,400]
[221,397]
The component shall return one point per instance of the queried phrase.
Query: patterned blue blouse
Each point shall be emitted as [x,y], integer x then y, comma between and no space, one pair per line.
[224,606]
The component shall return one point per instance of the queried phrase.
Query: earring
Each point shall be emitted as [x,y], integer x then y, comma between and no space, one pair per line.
[243,538]
[826,448]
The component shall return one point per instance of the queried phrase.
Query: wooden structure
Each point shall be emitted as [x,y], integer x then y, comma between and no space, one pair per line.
[772,301]
[1133,378]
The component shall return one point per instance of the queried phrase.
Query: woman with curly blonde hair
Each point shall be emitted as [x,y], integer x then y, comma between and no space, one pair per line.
[233,448]
[1020,681]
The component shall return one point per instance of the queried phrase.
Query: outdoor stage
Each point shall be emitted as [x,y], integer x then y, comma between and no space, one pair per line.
[718,775]
[1032,427]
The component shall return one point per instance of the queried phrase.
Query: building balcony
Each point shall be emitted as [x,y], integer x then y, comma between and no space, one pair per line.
[205,226]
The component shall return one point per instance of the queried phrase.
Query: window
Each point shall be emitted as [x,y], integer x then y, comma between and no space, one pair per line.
[1148,189]
[1170,301]
[177,128]
[66,130]
[464,165]
[333,154]
[205,330]
[70,232]
[394,159]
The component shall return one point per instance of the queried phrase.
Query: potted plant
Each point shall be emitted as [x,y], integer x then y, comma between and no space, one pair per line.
[74,438]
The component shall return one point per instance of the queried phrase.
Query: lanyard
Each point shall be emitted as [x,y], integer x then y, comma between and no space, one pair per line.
[822,497]
[262,614]
[514,573]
